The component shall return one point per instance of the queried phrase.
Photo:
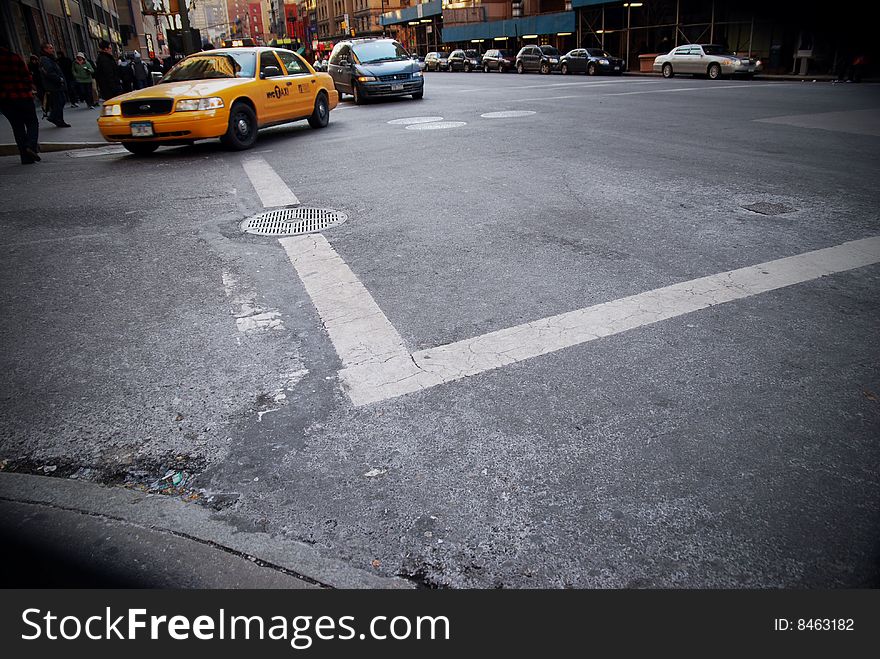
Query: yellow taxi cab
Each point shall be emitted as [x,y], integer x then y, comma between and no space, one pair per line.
[228,93]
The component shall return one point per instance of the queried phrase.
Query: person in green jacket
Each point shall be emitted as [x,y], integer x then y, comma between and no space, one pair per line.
[83,73]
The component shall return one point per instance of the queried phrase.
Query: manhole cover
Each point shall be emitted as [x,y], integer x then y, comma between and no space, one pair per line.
[414,120]
[768,208]
[436,125]
[292,221]
[506,114]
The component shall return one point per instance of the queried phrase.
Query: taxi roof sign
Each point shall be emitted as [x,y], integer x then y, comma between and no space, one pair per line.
[239,43]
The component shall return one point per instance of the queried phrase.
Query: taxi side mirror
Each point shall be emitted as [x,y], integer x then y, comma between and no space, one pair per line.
[269,72]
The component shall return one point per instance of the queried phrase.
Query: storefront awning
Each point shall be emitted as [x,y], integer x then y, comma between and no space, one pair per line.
[424,10]
[589,3]
[514,27]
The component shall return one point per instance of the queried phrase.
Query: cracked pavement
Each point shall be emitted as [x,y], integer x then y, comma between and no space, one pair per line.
[733,445]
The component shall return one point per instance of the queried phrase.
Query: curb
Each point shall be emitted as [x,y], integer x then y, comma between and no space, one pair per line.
[47,147]
[163,513]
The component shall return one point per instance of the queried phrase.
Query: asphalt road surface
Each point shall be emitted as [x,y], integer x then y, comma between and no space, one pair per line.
[537,353]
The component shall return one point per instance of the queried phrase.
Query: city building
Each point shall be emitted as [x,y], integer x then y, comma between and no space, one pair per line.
[71,25]
[787,35]
[210,18]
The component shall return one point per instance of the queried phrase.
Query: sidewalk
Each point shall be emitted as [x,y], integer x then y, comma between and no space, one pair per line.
[83,132]
[58,532]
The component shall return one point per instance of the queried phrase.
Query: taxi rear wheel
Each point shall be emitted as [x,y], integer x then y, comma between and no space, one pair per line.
[321,114]
[140,148]
[242,131]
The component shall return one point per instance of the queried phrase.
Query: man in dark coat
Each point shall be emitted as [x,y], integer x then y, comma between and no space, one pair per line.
[66,65]
[125,73]
[106,74]
[55,84]
[17,104]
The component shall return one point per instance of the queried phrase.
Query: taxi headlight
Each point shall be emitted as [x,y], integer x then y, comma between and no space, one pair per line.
[192,104]
[114,110]
[366,78]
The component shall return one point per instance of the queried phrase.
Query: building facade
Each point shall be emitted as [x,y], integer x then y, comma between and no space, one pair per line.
[70,25]
[789,36]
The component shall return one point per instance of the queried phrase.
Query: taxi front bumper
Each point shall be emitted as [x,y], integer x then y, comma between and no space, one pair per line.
[177,126]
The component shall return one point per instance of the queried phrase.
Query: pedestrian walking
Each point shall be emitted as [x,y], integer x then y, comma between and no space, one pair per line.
[66,65]
[83,74]
[140,72]
[17,104]
[125,73]
[55,84]
[106,74]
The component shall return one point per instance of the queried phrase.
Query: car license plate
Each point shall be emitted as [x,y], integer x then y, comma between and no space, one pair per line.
[142,129]
[397,88]
[617,68]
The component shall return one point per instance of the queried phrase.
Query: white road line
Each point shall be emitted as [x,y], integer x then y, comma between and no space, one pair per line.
[271,189]
[543,98]
[693,89]
[377,365]
[490,351]
[364,338]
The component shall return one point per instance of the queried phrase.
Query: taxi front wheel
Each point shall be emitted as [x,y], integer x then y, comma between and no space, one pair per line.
[321,115]
[242,131]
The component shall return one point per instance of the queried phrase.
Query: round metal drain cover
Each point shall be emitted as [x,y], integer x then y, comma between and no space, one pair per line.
[292,221]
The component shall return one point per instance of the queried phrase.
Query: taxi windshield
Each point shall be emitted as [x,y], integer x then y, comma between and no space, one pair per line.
[379,51]
[215,65]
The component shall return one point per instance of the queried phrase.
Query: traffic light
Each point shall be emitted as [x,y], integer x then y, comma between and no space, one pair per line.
[352,31]
[344,26]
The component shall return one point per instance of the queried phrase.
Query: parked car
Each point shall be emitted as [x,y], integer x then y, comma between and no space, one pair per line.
[463,60]
[369,68]
[537,58]
[498,60]
[435,62]
[709,60]
[591,61]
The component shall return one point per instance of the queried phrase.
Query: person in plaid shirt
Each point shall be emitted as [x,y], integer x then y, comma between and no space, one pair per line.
[17,104]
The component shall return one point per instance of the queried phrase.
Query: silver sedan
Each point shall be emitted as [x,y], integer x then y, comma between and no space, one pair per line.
[705,60]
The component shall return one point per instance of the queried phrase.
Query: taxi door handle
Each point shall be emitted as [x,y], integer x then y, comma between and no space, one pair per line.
[314,81]
[289,83]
